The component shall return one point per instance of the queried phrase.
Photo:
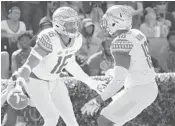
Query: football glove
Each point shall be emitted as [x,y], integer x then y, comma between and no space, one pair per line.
[90,108]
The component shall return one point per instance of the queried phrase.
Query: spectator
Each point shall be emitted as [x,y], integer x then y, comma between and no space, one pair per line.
[136,9]
[151,27]
[75,5]
[18,59]
[110,3]
[96,13]
[12,28]
[86,7]
[51,7]
[104,6]
[31,13]
[170,8]
[44,23]
[5,46]
[163,15]
[148,4]
[4,65]
[100,62]
[167,54]
[156,66]
[91,43]
[64,4]
[96,16]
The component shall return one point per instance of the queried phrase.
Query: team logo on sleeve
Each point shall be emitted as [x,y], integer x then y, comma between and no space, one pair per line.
[121,45]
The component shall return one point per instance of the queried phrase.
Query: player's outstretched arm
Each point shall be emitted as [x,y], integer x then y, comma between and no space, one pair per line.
[32,61]
[122,64]
[116,83]
[113,87]
[80,75]
[42,48]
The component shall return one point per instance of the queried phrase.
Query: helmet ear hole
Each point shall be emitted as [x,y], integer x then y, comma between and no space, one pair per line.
[113,24]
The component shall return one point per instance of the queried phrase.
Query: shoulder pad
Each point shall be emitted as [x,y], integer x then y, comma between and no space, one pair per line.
[138,35]
[121,45]
[44,39]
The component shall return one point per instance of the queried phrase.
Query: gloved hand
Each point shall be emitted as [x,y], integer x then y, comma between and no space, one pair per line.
[90,108]
[16,97]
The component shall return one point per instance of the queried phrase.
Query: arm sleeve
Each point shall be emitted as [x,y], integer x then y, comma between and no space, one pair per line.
[120,51]
[116,83]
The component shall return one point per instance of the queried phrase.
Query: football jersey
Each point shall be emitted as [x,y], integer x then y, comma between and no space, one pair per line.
[134,43]
[58,56]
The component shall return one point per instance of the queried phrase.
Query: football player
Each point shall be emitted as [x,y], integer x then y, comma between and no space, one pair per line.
[133,70]
[54,50]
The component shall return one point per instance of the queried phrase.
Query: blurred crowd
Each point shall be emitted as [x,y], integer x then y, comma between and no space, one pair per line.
[21,22]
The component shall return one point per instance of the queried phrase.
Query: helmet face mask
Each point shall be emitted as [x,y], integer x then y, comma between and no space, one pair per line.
[66,22]
[117,18]
[72,28]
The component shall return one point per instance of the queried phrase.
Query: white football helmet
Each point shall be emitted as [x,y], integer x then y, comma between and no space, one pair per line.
[117,17]
[66,21]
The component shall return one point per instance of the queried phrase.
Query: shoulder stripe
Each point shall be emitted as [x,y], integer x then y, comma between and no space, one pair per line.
[121,45]
[44,42]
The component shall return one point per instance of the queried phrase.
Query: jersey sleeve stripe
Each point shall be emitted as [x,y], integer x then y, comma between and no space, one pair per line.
[122,46]
[47,48]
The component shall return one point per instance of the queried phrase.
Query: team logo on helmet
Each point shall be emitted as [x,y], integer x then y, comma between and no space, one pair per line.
[17,100]
[116,18]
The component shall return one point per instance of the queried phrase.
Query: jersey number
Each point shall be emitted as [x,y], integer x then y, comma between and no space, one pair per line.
[148,57]
[60,63]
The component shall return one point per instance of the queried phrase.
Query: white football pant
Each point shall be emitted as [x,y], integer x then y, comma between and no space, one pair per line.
[129,103]
[52,100]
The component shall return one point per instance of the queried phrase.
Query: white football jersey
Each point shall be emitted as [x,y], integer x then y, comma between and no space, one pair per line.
[59,55]
[134,43]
